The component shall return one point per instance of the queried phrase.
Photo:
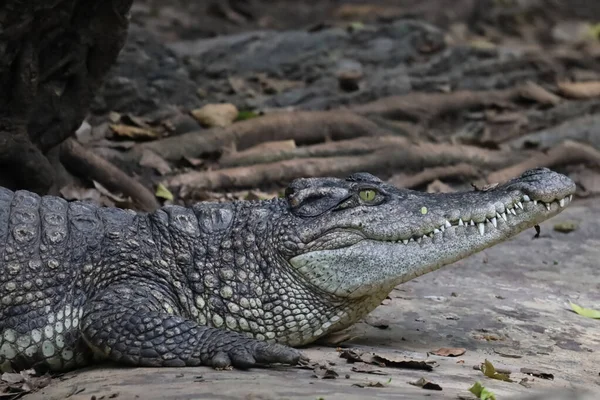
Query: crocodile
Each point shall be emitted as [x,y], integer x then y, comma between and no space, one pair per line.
[236,284]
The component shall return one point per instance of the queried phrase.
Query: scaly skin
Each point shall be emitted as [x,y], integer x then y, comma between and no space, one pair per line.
[234,284]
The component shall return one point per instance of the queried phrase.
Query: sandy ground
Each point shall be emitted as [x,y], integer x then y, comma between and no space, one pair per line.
[508,304]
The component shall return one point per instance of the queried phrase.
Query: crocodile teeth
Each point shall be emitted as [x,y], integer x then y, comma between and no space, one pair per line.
[460,222]
[447,224]
[570,197]
[405,241]
[526,198]
[472,223]
[547,206]
[535,202]
[411,240]
[419,240]
[520,205]
[503,215]
[481,227]
[436,231]
[494,222]
[512,211]
[562,202]
[442,228]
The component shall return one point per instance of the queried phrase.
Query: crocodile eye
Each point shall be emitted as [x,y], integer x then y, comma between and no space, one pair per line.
[367,195]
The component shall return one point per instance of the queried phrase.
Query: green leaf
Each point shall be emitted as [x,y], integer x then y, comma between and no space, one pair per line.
[586,312]
[481,392]
[488,370]
[244,115]
[163,192]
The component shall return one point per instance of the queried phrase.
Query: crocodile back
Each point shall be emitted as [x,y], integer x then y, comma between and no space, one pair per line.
[40,284]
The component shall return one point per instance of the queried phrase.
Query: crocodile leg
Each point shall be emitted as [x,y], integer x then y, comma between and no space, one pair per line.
[127,325]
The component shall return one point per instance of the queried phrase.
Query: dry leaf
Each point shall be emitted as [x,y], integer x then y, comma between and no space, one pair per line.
[401,362]
[324,372]
[425,384]
[71,192]
[537,373]
[580,90]
[566,226]
[152,160]
[449,351]
[372,384]
[586,312]
[367,369]
[133,132]
[115,197]
[216,115]
[351,355]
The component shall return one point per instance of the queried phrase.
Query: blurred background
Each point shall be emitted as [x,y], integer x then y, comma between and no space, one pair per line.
[145,103]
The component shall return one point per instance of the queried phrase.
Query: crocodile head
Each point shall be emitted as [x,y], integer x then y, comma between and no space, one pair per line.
[357,238]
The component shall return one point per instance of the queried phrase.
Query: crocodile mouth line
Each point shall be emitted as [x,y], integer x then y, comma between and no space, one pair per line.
[511,212]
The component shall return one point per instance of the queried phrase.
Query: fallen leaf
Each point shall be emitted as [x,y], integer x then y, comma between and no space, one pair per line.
[244,115]
[586,312]
[537,373]
[488,370]
[10,377]
[372,384]
[351,355]
[324,372]
[525,383]
[566,226]
[152,160]
[163,193]
[216,115]
[405,363]
[580,90]
[133,132]
[449,351]
[115,197]
[481,392]
[194,162]
[425,384]
[368,369]
[140,122]
[71,192]
[438,186]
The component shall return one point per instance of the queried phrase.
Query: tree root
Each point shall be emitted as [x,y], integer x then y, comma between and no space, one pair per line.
[431,174]
[351,147]
[306,127]
[404,156]
[87,164]
[423,106]
[567,152]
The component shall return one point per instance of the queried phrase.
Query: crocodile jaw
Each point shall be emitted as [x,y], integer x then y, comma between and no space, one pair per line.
[375,264]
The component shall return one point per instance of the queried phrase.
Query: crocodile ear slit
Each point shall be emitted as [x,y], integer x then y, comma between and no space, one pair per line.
[315,201]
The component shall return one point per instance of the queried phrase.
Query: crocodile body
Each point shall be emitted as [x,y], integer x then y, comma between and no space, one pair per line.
[233,284]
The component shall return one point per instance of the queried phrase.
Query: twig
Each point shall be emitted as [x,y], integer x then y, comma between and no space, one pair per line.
[87,164]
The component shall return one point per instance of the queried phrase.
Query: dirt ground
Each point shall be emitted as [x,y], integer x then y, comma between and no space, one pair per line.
[509,305]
